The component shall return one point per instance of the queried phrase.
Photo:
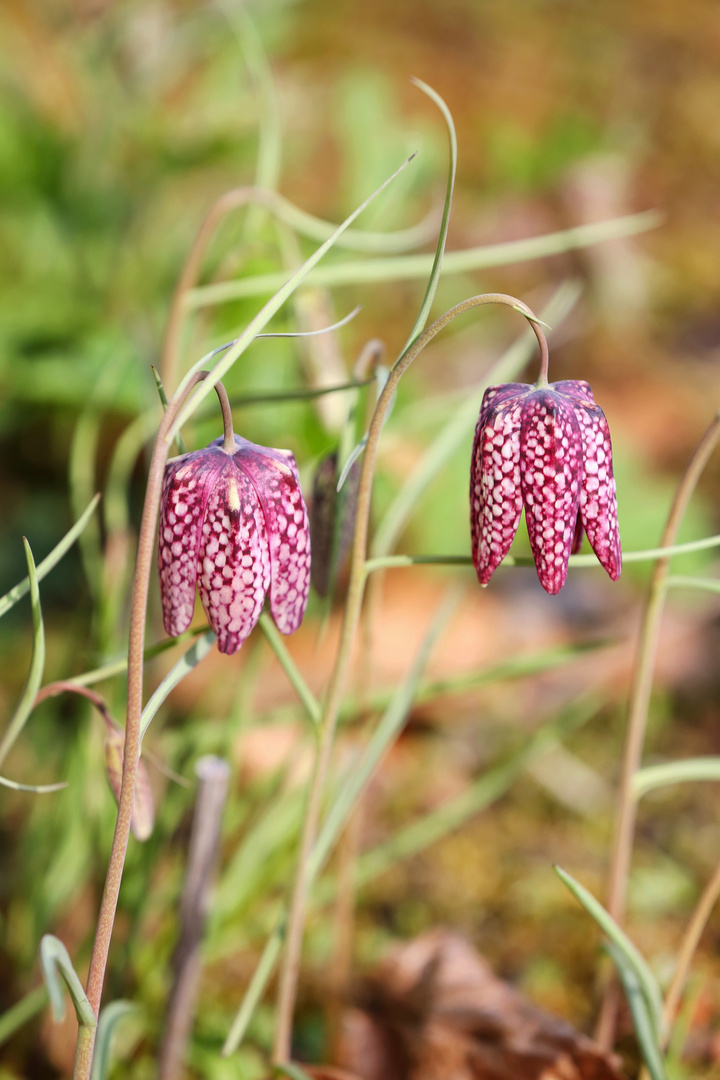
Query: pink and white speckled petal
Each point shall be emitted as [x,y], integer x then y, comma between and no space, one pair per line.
[495,395]
[598,501]
[275,477]
[574,388]
[550,472]
[234,562]
[186,488]
[495,502]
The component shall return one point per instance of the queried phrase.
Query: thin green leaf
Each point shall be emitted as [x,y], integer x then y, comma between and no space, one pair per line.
[39,789]
[675,772]
[632,956]
[119,666]
[55,960]
[189,660]
[387,730]
[256,988]
[43,568]
[644,1029]
[677,581]
[301,688]
[22,1011]
[109,1017]
[391,562]
[434,278]
[37,663]
[413,267]
[263,317]
[292,1070]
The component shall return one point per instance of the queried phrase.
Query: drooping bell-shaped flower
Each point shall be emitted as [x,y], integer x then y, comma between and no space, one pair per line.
[234,523]
[547,448]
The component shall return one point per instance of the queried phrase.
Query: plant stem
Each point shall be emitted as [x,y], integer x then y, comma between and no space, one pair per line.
[131,752]
[293,946]
[229,445]
[638,712]
[689,944]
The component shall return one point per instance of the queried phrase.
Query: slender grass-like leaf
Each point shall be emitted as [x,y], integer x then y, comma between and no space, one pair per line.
[387,730]
[189,660]
[301,688]
[677,581]
[262,318]
[256,988]
[22,1011]
[37,663]
[39,789]
[642,1020]
[292,1070]
[390,562]
[434,277]
[50,561]
[109,1017]
[632,956]
[675,772]
[55,961]
[413,267]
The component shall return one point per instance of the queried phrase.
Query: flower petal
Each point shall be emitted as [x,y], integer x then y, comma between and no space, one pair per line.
[598,502]
[275,477]
[495,502]
[495,395]
[186,487]
[550,474]
[234,562]
[574,388]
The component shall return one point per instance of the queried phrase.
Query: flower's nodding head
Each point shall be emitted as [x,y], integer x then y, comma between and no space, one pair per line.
[235,525]
[546,448]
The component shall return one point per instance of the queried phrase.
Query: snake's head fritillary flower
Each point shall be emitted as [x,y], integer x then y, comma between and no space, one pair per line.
[234,523]
[547,448]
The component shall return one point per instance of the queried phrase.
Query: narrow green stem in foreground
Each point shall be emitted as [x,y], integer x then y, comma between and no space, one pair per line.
[131,753]
[291,960]
[638,711]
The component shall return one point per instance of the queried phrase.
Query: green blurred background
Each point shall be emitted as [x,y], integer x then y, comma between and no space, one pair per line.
[120,124]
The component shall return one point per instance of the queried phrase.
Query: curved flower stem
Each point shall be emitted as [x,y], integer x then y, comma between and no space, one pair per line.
[293,944]
[638,712]
[108,905]
[229,441]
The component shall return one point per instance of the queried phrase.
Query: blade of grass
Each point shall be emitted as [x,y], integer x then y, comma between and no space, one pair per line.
[56,963]
[413,267]
[189,660]
[631,955]
[677,581]
[642,1019]
[434,277]
[107,1023]
[22,1011]
[39,789]
[50,561]
[301,688]
[652,777]
[37,663]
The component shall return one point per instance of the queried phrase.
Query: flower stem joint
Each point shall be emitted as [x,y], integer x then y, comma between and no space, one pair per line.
[234,523]
[547,448]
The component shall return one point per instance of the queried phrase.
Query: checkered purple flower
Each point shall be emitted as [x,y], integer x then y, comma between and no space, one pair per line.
[235,525]
[546,448]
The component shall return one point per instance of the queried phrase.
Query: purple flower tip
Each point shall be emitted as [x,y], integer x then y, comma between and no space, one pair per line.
[236,525]
[547,449]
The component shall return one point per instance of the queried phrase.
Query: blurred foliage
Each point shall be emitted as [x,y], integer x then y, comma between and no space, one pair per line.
[119,127]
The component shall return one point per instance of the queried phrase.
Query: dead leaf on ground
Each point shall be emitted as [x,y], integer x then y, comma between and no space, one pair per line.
[435,1011]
